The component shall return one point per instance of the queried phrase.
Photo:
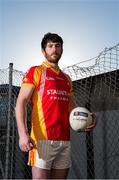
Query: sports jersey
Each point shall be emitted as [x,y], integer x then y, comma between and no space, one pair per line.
[50,102]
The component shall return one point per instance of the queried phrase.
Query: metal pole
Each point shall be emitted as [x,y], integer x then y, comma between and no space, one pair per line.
[7,160]
[89,143]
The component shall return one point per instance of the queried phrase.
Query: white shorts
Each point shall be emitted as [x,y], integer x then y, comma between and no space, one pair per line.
[51,154]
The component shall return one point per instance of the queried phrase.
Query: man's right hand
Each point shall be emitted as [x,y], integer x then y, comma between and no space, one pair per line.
[26,143]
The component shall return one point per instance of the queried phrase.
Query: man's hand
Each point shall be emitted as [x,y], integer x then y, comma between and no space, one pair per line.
[90,127]
[26,143]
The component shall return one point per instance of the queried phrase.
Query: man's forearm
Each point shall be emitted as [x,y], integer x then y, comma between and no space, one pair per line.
[21,119]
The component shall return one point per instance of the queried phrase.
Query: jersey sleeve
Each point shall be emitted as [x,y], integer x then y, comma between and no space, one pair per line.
[70,82]
[28,79]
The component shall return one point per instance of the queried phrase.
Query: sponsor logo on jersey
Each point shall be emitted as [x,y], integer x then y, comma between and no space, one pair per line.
[58,92]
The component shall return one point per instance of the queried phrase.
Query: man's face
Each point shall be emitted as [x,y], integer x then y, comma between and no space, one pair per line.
[53,52]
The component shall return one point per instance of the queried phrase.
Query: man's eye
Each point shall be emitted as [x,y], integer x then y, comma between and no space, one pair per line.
[55,45]
[50,46]
[58,45]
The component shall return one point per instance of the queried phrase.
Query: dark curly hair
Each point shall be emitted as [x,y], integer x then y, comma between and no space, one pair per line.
[51,37]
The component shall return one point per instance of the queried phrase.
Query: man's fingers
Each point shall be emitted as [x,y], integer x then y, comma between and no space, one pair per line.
[28,145]
[32,143]
[90,127]
[24,148]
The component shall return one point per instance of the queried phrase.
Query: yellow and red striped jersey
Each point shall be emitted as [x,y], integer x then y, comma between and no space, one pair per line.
[50,102]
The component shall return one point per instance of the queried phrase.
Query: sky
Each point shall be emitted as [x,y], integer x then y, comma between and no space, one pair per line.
[86,26]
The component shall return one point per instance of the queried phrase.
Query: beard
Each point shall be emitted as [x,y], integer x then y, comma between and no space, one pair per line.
[53,58]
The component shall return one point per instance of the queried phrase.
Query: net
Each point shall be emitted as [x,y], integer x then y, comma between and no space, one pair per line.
[94,154]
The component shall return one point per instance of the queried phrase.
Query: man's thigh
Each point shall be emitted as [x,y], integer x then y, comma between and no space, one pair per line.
[59,173]
[39,173]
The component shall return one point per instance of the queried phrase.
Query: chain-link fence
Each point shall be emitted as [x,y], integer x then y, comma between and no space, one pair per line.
[94,154]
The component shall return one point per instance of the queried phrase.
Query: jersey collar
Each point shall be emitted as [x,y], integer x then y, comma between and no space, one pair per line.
[48,65]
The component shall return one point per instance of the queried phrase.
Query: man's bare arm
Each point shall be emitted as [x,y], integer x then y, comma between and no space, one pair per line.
[21,114]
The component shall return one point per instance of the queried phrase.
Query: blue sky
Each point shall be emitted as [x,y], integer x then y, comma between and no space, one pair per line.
[87,27]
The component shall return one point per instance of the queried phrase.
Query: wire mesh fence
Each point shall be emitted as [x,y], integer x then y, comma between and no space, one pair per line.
[94,154]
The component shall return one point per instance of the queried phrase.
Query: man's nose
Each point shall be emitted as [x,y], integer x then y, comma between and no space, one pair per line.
[54,48]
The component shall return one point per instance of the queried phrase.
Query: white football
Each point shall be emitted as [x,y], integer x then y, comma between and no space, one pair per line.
[80,118]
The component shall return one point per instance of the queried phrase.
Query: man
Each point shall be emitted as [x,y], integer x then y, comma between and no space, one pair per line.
[50,93]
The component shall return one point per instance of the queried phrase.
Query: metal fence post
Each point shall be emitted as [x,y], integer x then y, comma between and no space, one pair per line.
[89,142]
[7,160]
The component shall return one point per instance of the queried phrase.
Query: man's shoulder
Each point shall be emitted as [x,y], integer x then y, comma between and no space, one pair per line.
[33,70]
[36,68]
[66,75]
